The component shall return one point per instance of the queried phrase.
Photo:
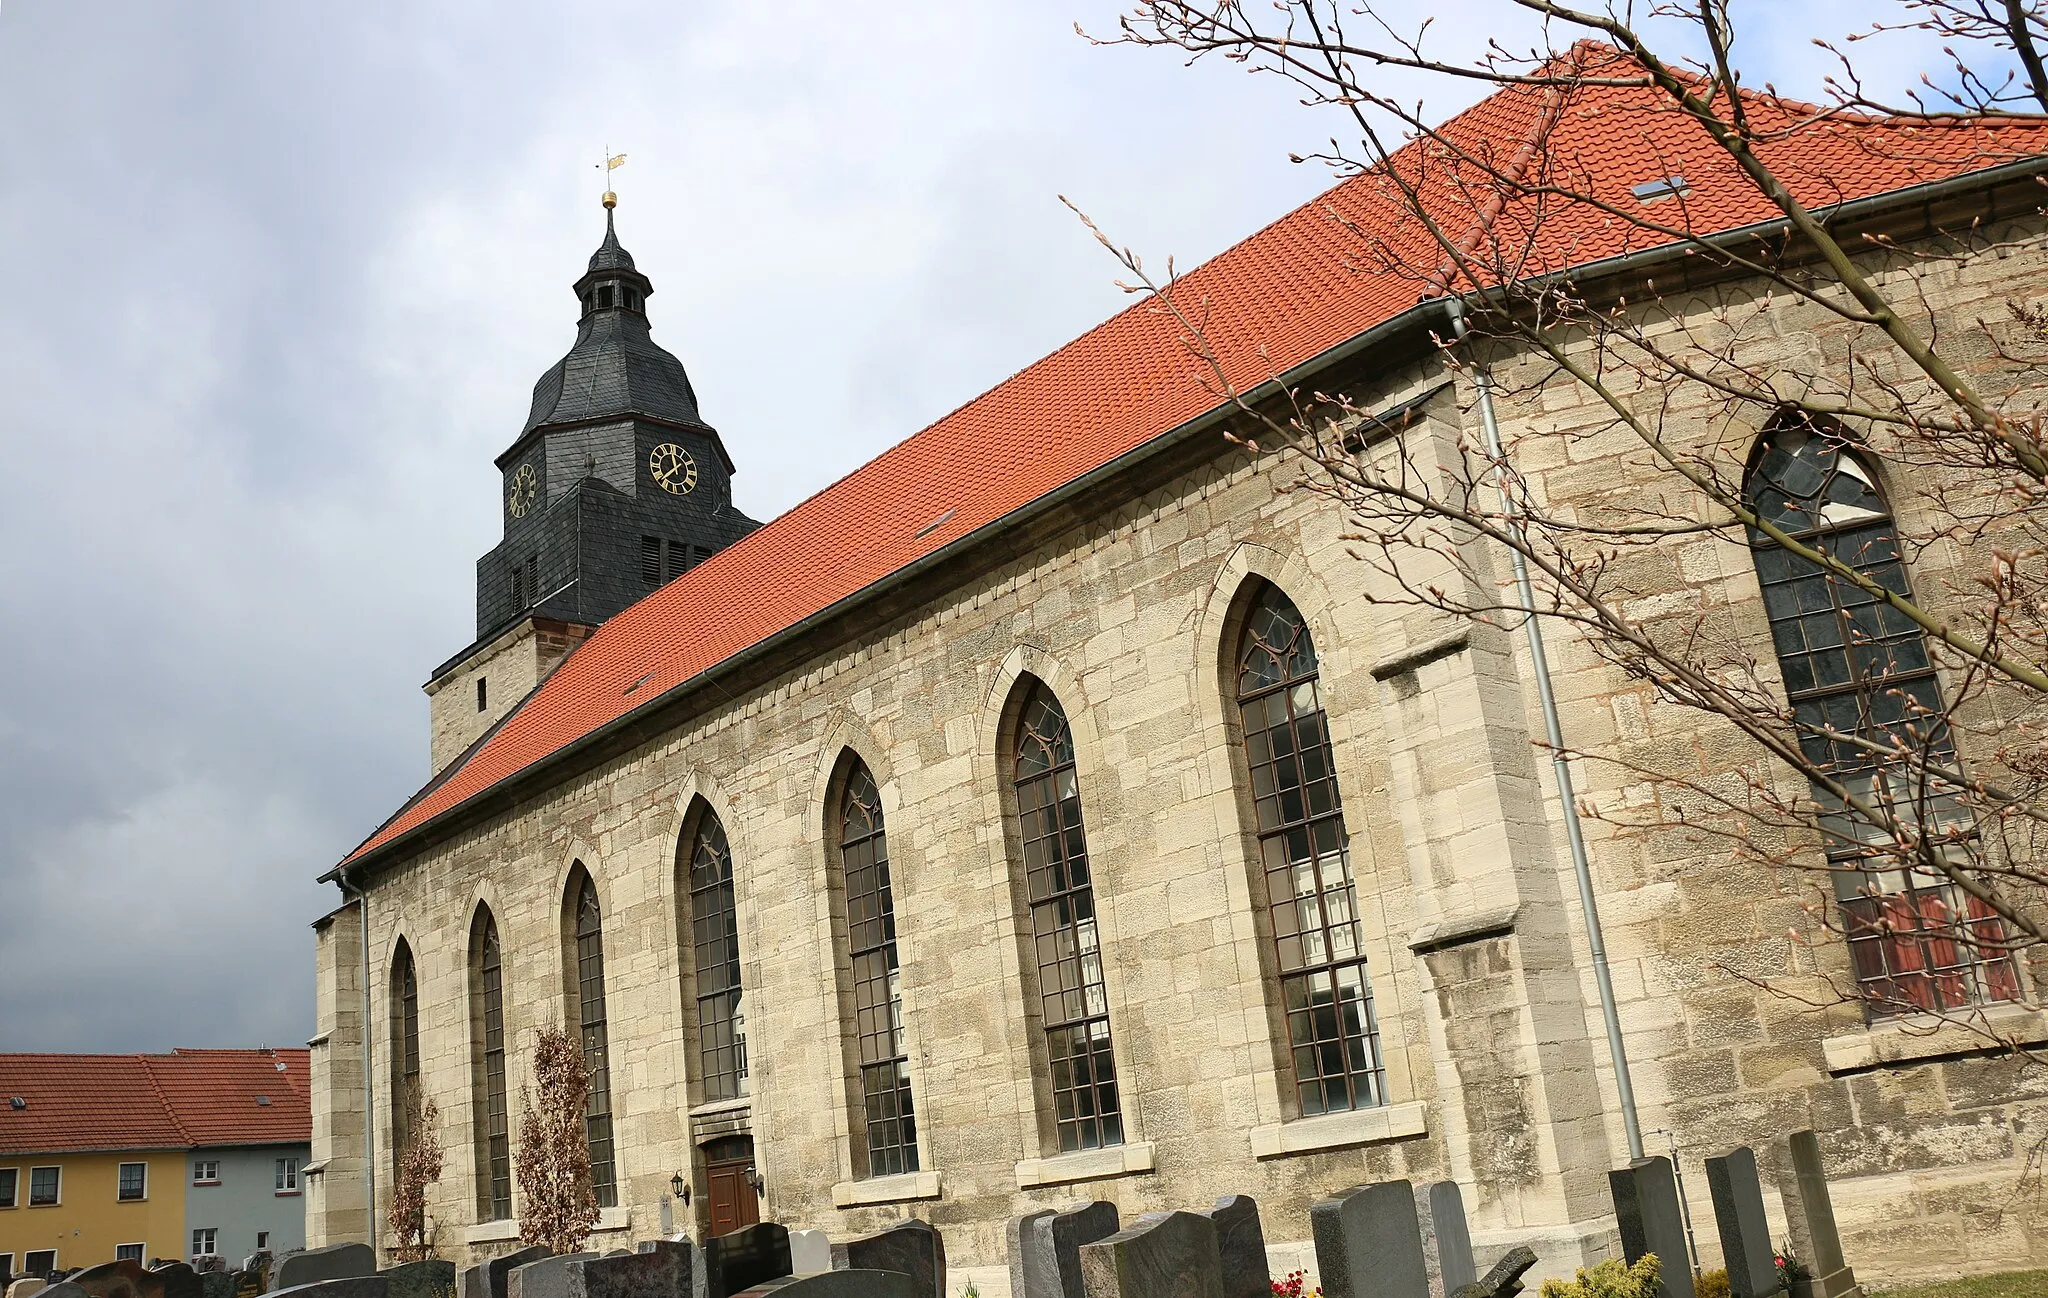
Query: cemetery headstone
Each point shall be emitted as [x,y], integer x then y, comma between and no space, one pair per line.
[335,1262]
[26,1287]
[834,1284]
[1161,1255]
[1446,1238]
[1028,1241]
[351,1286]
[178,1280]
[1646,1209]
[432,1278]
[1745,1231]
[242,1284]
[1368,1241]
[546,1278]
[1241,1247]
[1082,1223]
[488,1279]
[744,1258]
[810,1251]
[909,1247]
[1504,1279]
[122,1279]
[63,1289]
[223,1284]
[657,1273]
[1832,1277]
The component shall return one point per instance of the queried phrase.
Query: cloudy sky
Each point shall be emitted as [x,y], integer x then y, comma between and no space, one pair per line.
[276,279]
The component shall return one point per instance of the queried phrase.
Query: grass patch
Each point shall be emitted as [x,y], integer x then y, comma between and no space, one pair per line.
[2007,1284]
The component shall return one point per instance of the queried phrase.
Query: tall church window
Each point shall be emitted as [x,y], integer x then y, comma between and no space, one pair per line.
[1073,1003]
[890,1125]
[405,1049]
[596,1050]
[1311,899]
[493,1126]
[715,943]
[1868,711]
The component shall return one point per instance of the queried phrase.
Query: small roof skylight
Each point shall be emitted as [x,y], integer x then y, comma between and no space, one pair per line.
[1662,187]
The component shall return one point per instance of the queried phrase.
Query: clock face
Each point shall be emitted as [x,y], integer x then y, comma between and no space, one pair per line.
[672,468]
[521,490]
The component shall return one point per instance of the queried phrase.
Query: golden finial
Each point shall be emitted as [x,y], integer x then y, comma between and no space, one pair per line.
[612,162]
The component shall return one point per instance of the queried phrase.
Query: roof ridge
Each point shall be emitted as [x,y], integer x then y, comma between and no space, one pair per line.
[170,1110]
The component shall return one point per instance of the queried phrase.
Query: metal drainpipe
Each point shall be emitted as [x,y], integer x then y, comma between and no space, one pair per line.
[1554,733]
[369,1076]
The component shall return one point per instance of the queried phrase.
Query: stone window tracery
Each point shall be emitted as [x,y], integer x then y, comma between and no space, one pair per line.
[405,1048]
[1868,711]
[715,942]
[1311,899]
[596,1051]
[493,1126]
[888,1119]
[1067,951]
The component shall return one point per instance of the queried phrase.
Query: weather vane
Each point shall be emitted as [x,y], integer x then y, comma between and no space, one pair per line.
[612,162]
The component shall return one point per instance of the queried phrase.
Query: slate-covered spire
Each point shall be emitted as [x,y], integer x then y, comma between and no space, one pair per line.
[615,367]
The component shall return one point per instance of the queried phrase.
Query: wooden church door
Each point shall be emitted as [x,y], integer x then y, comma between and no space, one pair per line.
[728,1169]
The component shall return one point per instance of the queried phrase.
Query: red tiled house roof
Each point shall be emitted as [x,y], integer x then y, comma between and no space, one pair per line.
[180,1100]
[1286,295]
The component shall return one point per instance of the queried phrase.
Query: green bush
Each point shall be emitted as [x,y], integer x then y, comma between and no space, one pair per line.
[1610,1279]
[1711,1284]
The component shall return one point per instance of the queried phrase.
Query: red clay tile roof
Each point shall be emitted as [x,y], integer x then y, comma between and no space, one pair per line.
[180,1100]
[1297,288]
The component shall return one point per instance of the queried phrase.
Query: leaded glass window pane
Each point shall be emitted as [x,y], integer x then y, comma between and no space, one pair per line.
[890,1123]
[715,942]
[596,1054]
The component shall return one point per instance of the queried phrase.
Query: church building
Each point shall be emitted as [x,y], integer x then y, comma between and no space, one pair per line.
[1055,807]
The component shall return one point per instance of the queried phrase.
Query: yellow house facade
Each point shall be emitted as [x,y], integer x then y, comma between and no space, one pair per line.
[81,1208]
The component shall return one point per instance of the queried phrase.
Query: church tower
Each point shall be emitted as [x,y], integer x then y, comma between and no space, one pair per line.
[615,486]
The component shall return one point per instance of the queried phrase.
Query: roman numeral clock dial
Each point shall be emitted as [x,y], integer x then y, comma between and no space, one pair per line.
[521,490]
[672,469]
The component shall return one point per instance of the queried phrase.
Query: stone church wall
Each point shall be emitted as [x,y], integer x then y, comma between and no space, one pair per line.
[1496,1067]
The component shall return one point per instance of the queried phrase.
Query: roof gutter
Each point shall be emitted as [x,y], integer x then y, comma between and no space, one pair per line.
[1423,313]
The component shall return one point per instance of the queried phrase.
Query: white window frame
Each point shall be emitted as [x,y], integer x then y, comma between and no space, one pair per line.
[212,1234]
[7,1264]
[140,1198]
[141,1250]
[58,1168]
[29,1253]
[210,1165]
[287,1176]
[15,1198]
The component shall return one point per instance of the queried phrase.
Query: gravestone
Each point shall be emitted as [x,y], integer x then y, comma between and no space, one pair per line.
[179,1280]
[545,1278]
[1446,1238]
[810,1251]
[834,1284]
[121,1279]
[1071,1227]
[1028,1243]
[1368,1241]
[1646,1209]
[1241,1247]
[1745,1231]
[247,1284]
[26,1287]
[63,1289]
[1504,1279]
[350,1286]
[489,1279]
[909,1247]
[1832,1277]
[657,1273]
[432,1278]
[224,1284]
[335,1262]
[743,1258]
[1161,1255]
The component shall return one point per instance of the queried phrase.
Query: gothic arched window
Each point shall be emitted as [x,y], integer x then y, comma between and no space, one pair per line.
[1068,954]
[589,929]
[1869,714]
[1311,901]
[890,1124]
[493,1126]
[715,940]
[405,1049]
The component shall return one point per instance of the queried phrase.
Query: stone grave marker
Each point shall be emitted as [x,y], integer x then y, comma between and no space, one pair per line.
[488,1279]
[351,1286]
[1504,1280]
[655,1273]
[1368,1241]
[432,1278]
[909,1247]
[1446,1238]
[744,1258]
[834,1284]
[1646,1209]
[242,1284]
[26,1287]
[546,1278]
[1161,1255]
[1832,1277]
[1071,1227]
[1033,1273]
[1241,1247]
[122,1279]
[335,1262]
[179,1280]
[810,1252]
[225,1284]
[1739,1217]
[63,1289]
